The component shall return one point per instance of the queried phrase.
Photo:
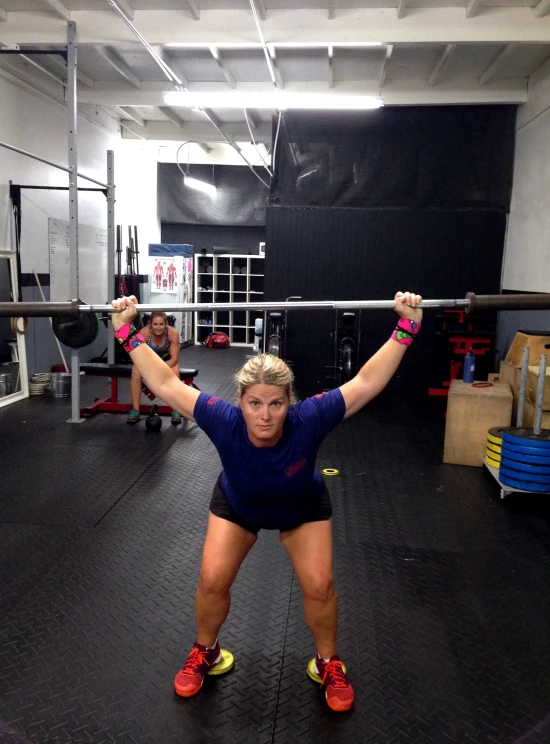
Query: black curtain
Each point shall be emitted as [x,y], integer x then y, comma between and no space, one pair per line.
[413,157]
[366,204]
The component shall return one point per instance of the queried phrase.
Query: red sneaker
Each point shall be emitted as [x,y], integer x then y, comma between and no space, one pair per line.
[200,661]
[338,691]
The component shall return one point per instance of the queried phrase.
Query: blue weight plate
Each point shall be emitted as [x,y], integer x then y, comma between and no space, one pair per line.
[543,480]
[522,485]
[522,436]
[525,467]
[525,450]
[511,454]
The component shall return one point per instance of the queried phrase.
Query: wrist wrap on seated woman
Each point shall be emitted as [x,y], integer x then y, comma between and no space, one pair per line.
[405,331]
[128,336]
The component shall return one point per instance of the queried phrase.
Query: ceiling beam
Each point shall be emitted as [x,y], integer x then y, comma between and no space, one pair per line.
[440,64]
[430,25]
[58,9]
[276,71]
[193,9]
[330,10]
[119,65]
[384,70]
[330,66]
[496,63]
[129,112]
[125,6]
[230,80]
[59,62]
[472,7]
[542,8]
[261,9]
[172,63]
[401,8]
[40,66]
[204,147]
[252,119]
[171,115]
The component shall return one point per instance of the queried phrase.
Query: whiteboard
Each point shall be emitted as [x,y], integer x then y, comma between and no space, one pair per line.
[92,263]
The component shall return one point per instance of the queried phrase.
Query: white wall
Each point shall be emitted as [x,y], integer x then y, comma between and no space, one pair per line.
[527,258]
[39,125]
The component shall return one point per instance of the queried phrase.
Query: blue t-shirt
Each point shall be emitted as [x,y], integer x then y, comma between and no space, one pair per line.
[271,486]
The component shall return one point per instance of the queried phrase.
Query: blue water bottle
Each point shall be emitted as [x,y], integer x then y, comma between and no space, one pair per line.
[469,367]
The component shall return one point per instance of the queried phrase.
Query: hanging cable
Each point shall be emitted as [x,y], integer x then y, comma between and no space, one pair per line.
[275,143]
[170,74]
[254,143]
[234,146]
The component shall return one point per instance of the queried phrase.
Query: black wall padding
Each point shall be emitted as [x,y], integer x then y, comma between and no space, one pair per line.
[338,254]
[241,199]
[413,157]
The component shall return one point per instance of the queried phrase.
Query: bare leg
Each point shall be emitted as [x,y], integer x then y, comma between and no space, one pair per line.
[225,548]
[135,388]
[310,549]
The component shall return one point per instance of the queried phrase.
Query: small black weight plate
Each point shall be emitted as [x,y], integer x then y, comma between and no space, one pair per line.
[76,332]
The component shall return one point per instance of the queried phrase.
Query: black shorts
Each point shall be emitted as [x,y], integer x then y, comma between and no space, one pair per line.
[220,507]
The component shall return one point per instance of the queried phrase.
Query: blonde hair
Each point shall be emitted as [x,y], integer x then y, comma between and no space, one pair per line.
[158,314]
[266,369]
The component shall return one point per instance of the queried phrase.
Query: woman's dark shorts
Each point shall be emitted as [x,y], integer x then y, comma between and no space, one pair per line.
[220,507]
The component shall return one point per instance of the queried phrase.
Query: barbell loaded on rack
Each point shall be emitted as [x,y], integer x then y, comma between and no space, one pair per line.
[76,324]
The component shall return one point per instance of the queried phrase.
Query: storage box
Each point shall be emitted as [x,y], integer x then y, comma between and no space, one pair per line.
[529,416]
[471,412]
[538,344]
[511,375]
[532,385]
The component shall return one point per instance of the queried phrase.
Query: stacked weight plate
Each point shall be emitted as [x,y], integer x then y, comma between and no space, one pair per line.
[494,447]
[525,459]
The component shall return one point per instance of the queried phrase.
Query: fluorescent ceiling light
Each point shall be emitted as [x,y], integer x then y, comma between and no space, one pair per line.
[275,100]
[277,45]
[207,188]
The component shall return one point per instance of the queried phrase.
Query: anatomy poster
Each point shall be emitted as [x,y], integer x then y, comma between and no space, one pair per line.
[165,276]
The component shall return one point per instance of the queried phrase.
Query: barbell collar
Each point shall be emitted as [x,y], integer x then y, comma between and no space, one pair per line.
[40,309]
[508,302]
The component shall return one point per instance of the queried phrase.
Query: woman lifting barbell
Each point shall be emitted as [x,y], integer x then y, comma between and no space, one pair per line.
[164,341]
[268,444]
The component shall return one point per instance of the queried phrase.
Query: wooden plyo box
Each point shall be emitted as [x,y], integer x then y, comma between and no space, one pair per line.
[511,375]
[533,383]
[471,412]
[537,345]
[529,416]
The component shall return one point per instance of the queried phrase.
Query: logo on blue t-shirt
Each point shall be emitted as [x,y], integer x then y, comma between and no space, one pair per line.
[293,469]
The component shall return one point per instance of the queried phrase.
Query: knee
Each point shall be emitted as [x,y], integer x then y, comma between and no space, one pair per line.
[213,581]
[319,588]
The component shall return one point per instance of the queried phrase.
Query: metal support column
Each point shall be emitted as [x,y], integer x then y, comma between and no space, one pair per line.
[73,207]
[110,245]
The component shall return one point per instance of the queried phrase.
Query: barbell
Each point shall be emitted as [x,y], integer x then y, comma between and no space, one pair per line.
[75,324]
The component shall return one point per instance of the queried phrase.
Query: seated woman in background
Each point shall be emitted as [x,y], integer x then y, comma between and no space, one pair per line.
[164,341]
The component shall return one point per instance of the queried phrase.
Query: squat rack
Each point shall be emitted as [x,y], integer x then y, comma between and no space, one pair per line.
[70,55]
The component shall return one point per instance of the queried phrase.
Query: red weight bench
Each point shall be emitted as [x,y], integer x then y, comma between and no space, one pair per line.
[116,371]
